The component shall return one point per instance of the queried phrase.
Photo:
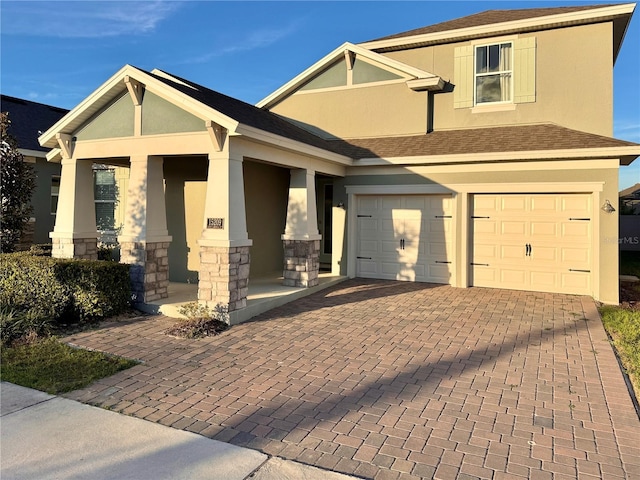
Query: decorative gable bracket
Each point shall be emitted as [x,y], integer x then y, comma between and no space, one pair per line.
[136,90]
[217,133]
[66,144]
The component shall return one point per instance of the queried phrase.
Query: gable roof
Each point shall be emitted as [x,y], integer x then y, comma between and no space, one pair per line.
[502,22]
[522,142]
[631,193]
[29,119]
[238,117]
[414,73]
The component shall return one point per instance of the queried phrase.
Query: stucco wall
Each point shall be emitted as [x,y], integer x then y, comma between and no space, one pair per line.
[366,110]
[185,188]
[574,81]
[41,199]
[574,88]
[266,190]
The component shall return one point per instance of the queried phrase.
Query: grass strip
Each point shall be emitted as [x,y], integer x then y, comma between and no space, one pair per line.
[54,367]
[623,326]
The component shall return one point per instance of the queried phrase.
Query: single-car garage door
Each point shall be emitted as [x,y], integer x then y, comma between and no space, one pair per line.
[405,237]
[539,242]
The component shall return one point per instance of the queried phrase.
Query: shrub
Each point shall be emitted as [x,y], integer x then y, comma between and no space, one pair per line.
[15,324]
[201,321]
[61,289]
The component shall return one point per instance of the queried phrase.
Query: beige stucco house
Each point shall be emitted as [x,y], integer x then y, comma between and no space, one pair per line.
[476,153]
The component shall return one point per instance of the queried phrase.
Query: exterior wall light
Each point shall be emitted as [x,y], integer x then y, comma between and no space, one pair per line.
[607,207]
[341,205]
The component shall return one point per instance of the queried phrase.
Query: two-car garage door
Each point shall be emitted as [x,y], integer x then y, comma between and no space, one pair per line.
[539,242]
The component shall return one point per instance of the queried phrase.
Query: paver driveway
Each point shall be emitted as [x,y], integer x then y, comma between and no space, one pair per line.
[394,380]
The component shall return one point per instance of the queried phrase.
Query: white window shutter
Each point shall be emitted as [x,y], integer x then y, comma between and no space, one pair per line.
[524,70]
[463,77]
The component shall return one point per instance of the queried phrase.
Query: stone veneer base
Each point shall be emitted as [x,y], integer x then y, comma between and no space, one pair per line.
[80,248]
[224,276]
[149,269]
[301,263]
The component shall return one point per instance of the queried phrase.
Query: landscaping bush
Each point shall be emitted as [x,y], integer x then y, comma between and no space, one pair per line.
[62,290]
[15,324]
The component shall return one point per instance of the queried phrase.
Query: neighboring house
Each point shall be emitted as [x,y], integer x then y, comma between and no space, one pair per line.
[474,152]
[630,199]
[28,121]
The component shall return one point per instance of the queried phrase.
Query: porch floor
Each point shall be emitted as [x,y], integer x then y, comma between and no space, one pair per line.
[264,294]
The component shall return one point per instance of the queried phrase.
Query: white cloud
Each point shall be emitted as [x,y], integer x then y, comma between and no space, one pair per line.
[625,130]
[93,19]
[256,39]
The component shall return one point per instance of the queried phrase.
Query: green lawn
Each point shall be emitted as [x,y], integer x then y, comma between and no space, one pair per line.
[623,324]
[53,367]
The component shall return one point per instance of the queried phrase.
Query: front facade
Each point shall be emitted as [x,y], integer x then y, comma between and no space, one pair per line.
[469,153]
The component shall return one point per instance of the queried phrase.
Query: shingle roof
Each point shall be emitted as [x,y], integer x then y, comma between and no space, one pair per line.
[247,114]
[632,192]
[28,119]
[489,17]
[521,138]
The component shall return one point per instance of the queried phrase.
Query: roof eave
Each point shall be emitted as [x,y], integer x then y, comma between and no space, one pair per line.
[625,154]
[581,17]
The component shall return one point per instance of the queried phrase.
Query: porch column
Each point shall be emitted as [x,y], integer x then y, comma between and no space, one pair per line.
[75,234]
[144,241]
[224,245]
[301,237]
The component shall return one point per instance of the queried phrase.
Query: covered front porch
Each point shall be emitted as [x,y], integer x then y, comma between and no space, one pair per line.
[208,201]
[263,295]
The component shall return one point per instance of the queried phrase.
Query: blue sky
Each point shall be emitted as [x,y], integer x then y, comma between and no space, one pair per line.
[59,52]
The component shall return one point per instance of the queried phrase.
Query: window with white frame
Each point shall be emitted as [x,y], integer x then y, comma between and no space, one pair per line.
[105,193]
[493,73]
[55,193]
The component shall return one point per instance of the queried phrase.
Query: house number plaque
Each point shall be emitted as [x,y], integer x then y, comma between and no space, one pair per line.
[215,223]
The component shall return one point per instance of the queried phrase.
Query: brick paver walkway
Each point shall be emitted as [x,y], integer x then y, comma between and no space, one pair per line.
[391,380]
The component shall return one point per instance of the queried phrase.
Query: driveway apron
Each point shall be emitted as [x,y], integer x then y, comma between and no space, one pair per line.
[393,380]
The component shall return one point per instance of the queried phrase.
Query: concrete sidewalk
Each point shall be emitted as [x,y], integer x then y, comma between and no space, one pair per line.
[48,437]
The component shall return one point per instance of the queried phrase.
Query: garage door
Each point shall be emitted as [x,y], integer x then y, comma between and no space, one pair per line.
[539,242]
[405,237]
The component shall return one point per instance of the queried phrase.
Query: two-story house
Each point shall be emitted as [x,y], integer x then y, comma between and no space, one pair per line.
[477,152]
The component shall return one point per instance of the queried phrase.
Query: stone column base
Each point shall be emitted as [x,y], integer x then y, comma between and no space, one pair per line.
[224,276]
[79,248]
[301,263]
[149,269]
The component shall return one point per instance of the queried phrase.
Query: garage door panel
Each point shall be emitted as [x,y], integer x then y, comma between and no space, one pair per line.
[513,228]
[543,204]
[572,281]
[558,229]
[513,203]
[412,218]
[543,229]
[575,229]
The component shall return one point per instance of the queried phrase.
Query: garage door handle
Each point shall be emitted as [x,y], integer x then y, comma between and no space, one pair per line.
[582,219]
[479,217]
[438,261]
[480,264]
[527,250]
[364,258]
[578,270]
[444,216]
[402,244]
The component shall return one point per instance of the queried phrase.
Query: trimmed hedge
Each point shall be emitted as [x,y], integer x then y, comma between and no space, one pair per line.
[61,289]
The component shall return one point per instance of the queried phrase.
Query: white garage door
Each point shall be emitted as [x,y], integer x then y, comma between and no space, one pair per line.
[405,237]
[539,242]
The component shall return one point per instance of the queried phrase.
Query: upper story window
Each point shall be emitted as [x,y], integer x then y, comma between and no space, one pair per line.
[495,76]
[493,73]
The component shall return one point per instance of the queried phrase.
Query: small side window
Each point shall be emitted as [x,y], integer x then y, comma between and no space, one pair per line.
[55,192]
